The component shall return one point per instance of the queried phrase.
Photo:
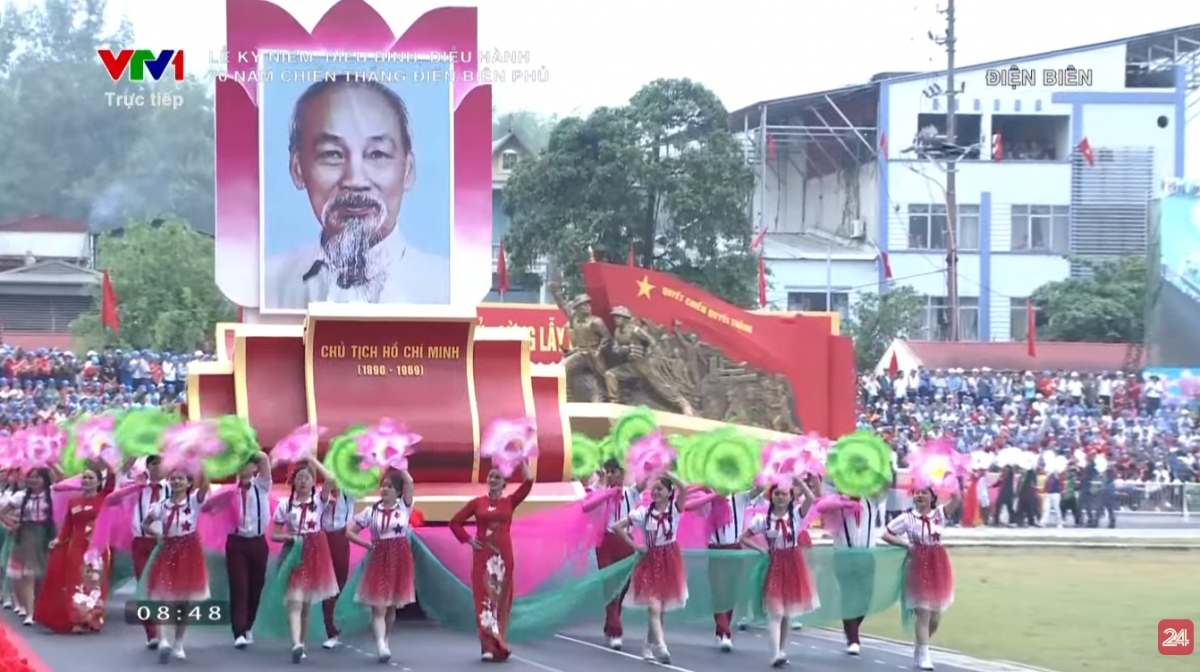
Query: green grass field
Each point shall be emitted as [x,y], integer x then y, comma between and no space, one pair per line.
[1067,610]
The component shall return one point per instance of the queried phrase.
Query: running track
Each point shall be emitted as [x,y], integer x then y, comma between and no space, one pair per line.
[421,647]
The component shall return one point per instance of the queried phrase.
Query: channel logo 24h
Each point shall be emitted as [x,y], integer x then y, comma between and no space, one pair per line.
[1175,637]
[132,64]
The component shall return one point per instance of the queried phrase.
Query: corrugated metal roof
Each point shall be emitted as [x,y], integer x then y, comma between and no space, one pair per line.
[736,117]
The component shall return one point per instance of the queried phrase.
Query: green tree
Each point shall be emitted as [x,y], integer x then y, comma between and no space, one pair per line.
[534,128]
[878,319]
[163,277]
[1106,306]
[69,150]
[662,174]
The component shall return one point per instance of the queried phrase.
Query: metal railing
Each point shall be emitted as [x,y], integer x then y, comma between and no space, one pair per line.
[1147,498]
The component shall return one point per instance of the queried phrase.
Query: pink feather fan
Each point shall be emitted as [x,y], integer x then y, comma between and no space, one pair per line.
[938,465]
[95,439]
[509,442]
[387,445]
[41,446]
[785,462]
[185,446]
[299,445]
[649,457]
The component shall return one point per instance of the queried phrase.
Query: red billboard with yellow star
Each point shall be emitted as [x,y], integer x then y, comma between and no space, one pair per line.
[817,363]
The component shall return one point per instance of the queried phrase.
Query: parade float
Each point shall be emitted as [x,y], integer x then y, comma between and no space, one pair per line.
[449,373]
[443,364]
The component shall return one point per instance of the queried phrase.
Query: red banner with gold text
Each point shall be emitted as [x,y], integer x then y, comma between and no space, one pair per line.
[546,324]
[414,371]
[795,346]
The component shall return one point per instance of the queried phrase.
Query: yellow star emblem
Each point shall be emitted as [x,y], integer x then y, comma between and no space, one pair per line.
[644,287]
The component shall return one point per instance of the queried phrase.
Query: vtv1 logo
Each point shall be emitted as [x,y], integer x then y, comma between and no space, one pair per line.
[1175,637]
[136,63]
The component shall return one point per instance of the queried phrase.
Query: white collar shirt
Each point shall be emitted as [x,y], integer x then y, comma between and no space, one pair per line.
[395,273]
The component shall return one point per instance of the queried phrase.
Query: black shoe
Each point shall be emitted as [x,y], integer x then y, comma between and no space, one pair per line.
[297,654]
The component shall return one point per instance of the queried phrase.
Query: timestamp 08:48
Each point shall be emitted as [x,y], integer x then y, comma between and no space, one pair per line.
[207,612]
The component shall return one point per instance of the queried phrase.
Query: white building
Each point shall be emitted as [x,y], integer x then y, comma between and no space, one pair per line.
[836,189]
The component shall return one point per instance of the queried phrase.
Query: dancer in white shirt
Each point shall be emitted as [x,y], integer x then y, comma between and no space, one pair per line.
[179,572]
[246,552]
[929,585]
[853,531]
[659,580]
[34,530]
[298,519]
[336,516]
[789,591]
[388,577]
[727,519]
[621,501]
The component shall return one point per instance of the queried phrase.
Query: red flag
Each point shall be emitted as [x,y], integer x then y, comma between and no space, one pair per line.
[1085,150]
[1031,327]
[108,304]
[883,145]
[762,281]
[502,272]
[886,263]
[894,365]
[632,260]
[241,315]
[759,238]
[997,147]
[770,147]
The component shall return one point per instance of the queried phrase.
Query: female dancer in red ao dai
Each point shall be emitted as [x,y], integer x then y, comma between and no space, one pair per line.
[929,585]
[313,580]
[75,589]
[659,581]
[179,572]
[492,562]
[789,591]
[387,581]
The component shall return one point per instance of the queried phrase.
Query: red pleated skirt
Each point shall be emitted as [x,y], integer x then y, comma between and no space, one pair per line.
[929,583]
[313,580]
[387,579]
[179,572]
[659,579]
[789,589]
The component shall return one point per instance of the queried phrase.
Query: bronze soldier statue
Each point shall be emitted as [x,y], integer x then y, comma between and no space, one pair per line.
[590,338]
[633,343]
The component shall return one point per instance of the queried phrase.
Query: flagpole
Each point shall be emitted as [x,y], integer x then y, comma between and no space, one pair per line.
[829,276]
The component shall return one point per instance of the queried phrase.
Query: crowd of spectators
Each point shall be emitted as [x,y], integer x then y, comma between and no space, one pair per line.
[1143,436]
[51,385]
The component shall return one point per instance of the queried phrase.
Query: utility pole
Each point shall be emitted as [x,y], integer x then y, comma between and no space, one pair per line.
[952,169]
[951,180]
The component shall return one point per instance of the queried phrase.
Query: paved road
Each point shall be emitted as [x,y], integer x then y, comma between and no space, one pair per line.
[421,647]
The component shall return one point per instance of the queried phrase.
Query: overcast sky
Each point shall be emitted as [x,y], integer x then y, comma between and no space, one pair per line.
[745,51]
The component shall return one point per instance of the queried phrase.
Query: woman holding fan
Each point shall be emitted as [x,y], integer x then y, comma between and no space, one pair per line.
[387,581]
[492,565]
[298,519]
[929,584]
[659,581]
[788,591]
[177,571]
[67,571]
[32,533]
